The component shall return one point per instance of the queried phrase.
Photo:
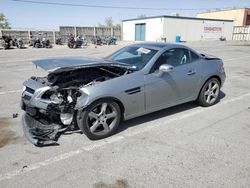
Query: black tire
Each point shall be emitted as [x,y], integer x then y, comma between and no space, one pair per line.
[70,45]
[37,45]
[6,46]
[20,46]
[206,92]
[86,122]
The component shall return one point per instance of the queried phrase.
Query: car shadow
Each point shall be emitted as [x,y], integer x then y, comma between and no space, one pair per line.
[160,114]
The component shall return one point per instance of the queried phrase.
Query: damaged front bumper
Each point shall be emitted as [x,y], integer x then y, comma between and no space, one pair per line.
[38,130]
[46,116]
[38,133]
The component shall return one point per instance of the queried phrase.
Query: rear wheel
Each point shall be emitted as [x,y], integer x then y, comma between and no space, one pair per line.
[209,94]
[100,119]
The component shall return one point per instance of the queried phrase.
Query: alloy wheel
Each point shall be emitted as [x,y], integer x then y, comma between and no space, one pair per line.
[212,92]
[102,118]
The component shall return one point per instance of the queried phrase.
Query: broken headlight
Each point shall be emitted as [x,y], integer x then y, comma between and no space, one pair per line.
[53,96]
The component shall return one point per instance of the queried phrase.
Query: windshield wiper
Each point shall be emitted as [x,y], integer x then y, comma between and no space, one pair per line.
[121,64]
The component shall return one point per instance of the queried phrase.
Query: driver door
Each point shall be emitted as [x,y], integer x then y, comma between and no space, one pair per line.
[167,89]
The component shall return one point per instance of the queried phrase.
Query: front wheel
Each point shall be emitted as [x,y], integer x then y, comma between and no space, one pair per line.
[209,94]
[100,119]
[6,46]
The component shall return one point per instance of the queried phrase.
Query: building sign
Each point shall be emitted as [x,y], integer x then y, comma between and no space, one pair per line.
[211,29]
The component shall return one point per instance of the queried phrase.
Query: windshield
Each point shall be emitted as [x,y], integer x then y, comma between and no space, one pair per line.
[135,56]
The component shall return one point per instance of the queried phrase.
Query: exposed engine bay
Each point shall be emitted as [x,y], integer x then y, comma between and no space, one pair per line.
[61,95]
[83,77]
[64,87]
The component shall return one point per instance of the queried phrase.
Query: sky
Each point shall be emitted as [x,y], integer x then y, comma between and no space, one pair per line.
[23,15]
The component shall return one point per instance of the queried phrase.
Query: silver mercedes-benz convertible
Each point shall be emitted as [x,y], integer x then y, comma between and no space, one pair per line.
[95,95]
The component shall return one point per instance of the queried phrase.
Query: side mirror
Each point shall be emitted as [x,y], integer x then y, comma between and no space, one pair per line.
[166,68]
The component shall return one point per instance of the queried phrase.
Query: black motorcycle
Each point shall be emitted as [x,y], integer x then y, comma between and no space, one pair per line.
[71,41]
[59,41]
[46,43]
[75,42]
[18,42]
[41,43]
[6,41]
[97,40]
[36,42]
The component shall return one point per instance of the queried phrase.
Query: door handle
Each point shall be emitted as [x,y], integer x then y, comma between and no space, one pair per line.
[191,72]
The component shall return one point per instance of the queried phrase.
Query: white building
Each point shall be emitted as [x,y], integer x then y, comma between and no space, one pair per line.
[160,28]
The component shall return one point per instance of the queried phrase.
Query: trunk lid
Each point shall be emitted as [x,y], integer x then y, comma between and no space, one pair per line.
[209,57]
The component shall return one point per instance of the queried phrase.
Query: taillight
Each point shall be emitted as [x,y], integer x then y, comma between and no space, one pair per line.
[222,68]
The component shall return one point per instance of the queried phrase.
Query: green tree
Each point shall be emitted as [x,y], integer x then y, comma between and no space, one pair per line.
[109,22]
[118,26]
[101,25]
[4,24]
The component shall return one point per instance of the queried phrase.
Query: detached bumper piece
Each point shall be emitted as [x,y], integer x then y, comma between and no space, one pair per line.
[38,133]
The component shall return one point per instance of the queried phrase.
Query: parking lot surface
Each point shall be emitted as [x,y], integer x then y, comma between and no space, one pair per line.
[183,146]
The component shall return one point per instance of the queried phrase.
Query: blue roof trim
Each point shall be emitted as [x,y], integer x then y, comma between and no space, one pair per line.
[178,17]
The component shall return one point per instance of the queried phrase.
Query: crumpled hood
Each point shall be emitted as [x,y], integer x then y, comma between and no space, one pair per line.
[69,63]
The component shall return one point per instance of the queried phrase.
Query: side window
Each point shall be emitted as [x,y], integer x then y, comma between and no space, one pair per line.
[194,56]
[174,57]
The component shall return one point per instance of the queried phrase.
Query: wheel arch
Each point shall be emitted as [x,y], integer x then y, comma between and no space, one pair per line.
[120,104]
[210,77]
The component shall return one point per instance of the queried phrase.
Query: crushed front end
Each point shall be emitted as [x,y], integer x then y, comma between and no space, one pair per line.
[51,103]
[49,111]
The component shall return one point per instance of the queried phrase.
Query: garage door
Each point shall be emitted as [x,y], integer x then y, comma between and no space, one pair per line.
[140,32]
